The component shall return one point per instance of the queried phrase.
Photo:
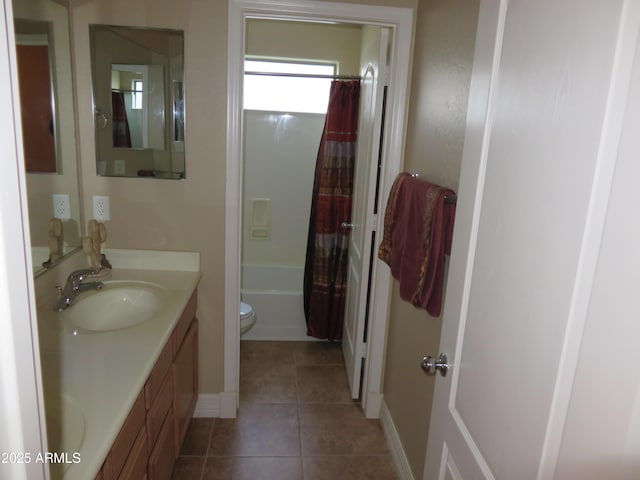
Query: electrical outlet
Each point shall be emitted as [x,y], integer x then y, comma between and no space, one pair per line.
[101,208]
[61,206]
[119,167]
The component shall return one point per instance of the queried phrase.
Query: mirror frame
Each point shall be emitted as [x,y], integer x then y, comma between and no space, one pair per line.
[66,179]
[112,161]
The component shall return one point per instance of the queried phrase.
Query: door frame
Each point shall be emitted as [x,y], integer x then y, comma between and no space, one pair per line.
[24,429]
[400,21]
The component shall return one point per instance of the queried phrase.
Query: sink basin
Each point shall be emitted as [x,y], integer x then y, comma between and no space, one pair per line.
[117,305]
[65,429]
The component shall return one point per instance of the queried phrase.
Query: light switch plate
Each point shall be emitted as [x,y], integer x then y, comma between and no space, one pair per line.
[119,167]
[101,208]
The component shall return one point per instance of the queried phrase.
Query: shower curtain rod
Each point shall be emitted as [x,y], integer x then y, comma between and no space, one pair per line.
[305,75]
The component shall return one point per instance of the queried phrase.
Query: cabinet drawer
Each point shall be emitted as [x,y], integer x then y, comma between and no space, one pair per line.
[160,406]
[128,435]
[135,467]
[162,460]
[183,324]
[158,374]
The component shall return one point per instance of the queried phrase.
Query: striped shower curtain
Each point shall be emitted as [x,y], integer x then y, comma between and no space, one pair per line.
[121,133]
[325,276]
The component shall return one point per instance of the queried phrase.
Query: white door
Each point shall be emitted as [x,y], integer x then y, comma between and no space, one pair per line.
[542,131]
[363,216]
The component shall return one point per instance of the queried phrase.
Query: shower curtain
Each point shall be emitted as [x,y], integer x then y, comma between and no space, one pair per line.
[325,275]
[121,134]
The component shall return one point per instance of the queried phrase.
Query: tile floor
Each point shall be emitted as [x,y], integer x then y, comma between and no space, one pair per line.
[296,422]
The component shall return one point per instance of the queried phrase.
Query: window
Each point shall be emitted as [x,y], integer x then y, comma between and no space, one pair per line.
[287,93]
[136,94]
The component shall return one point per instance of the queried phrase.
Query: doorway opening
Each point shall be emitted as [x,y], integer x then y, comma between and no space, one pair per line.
[284,111]
[398,21]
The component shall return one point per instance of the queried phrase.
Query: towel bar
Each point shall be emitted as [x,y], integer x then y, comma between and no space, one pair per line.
[447,199]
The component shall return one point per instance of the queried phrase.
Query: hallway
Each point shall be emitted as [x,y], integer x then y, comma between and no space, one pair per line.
[296,422]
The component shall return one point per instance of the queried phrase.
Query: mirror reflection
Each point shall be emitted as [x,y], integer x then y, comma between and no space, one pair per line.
[49,133]
[138,97]
[36,85]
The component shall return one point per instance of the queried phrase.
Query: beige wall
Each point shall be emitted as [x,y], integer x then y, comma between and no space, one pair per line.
[171,214]
[306,41]
[443,53]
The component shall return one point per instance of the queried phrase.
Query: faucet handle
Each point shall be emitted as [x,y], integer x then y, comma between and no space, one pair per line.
[76,277]
[80,274]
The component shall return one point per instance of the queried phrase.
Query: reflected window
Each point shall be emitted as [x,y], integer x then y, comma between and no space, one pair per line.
[136,95]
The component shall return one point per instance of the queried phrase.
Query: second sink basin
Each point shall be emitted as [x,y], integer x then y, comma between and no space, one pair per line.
[65,429]
[117,305]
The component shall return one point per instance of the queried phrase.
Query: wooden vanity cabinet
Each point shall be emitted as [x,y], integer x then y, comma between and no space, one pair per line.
[151,438]
[185,377]
[119,460]
[159,398]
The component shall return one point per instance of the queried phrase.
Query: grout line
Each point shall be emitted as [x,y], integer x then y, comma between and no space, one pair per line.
[204,463]
[295,362]
[298,361]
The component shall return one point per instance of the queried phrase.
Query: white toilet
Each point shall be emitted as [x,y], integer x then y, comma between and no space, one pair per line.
[247,317]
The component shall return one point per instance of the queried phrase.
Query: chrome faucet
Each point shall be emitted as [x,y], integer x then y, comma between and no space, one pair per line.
[74,286]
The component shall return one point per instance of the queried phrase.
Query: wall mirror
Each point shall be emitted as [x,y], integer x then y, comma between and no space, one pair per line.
[48,129]
[138,95]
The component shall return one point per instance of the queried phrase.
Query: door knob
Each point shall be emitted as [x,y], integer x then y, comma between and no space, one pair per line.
[430,365]
[347,225]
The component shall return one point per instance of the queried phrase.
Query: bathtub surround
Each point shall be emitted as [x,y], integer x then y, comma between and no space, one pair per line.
[275,293]
[274,143]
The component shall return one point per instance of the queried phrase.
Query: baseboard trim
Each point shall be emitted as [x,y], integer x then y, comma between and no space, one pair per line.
[207,405]
[395,445]
[228,404]
[373,405]
[217,405]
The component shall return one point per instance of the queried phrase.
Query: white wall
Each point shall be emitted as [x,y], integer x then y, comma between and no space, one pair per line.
[279,164]
[602,431]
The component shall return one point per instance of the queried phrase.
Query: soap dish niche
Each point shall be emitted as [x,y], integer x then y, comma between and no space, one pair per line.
[260,228]
[260,233]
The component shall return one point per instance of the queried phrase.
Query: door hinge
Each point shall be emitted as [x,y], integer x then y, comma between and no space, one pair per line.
[373,221]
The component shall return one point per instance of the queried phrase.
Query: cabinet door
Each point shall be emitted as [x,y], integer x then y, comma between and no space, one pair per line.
[126,440]
[135,468]
[162,458]
[185,376]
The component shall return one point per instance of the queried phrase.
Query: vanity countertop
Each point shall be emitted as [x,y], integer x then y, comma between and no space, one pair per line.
[103,373]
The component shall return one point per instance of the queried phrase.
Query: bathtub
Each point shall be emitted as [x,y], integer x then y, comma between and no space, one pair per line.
[275,292]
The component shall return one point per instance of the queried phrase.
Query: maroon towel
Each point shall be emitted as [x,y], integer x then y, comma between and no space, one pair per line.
[418,228]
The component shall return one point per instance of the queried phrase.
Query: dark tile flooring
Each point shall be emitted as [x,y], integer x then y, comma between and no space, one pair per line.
[296,422]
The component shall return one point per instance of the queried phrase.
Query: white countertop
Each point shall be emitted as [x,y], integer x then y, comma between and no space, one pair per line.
[103,373]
